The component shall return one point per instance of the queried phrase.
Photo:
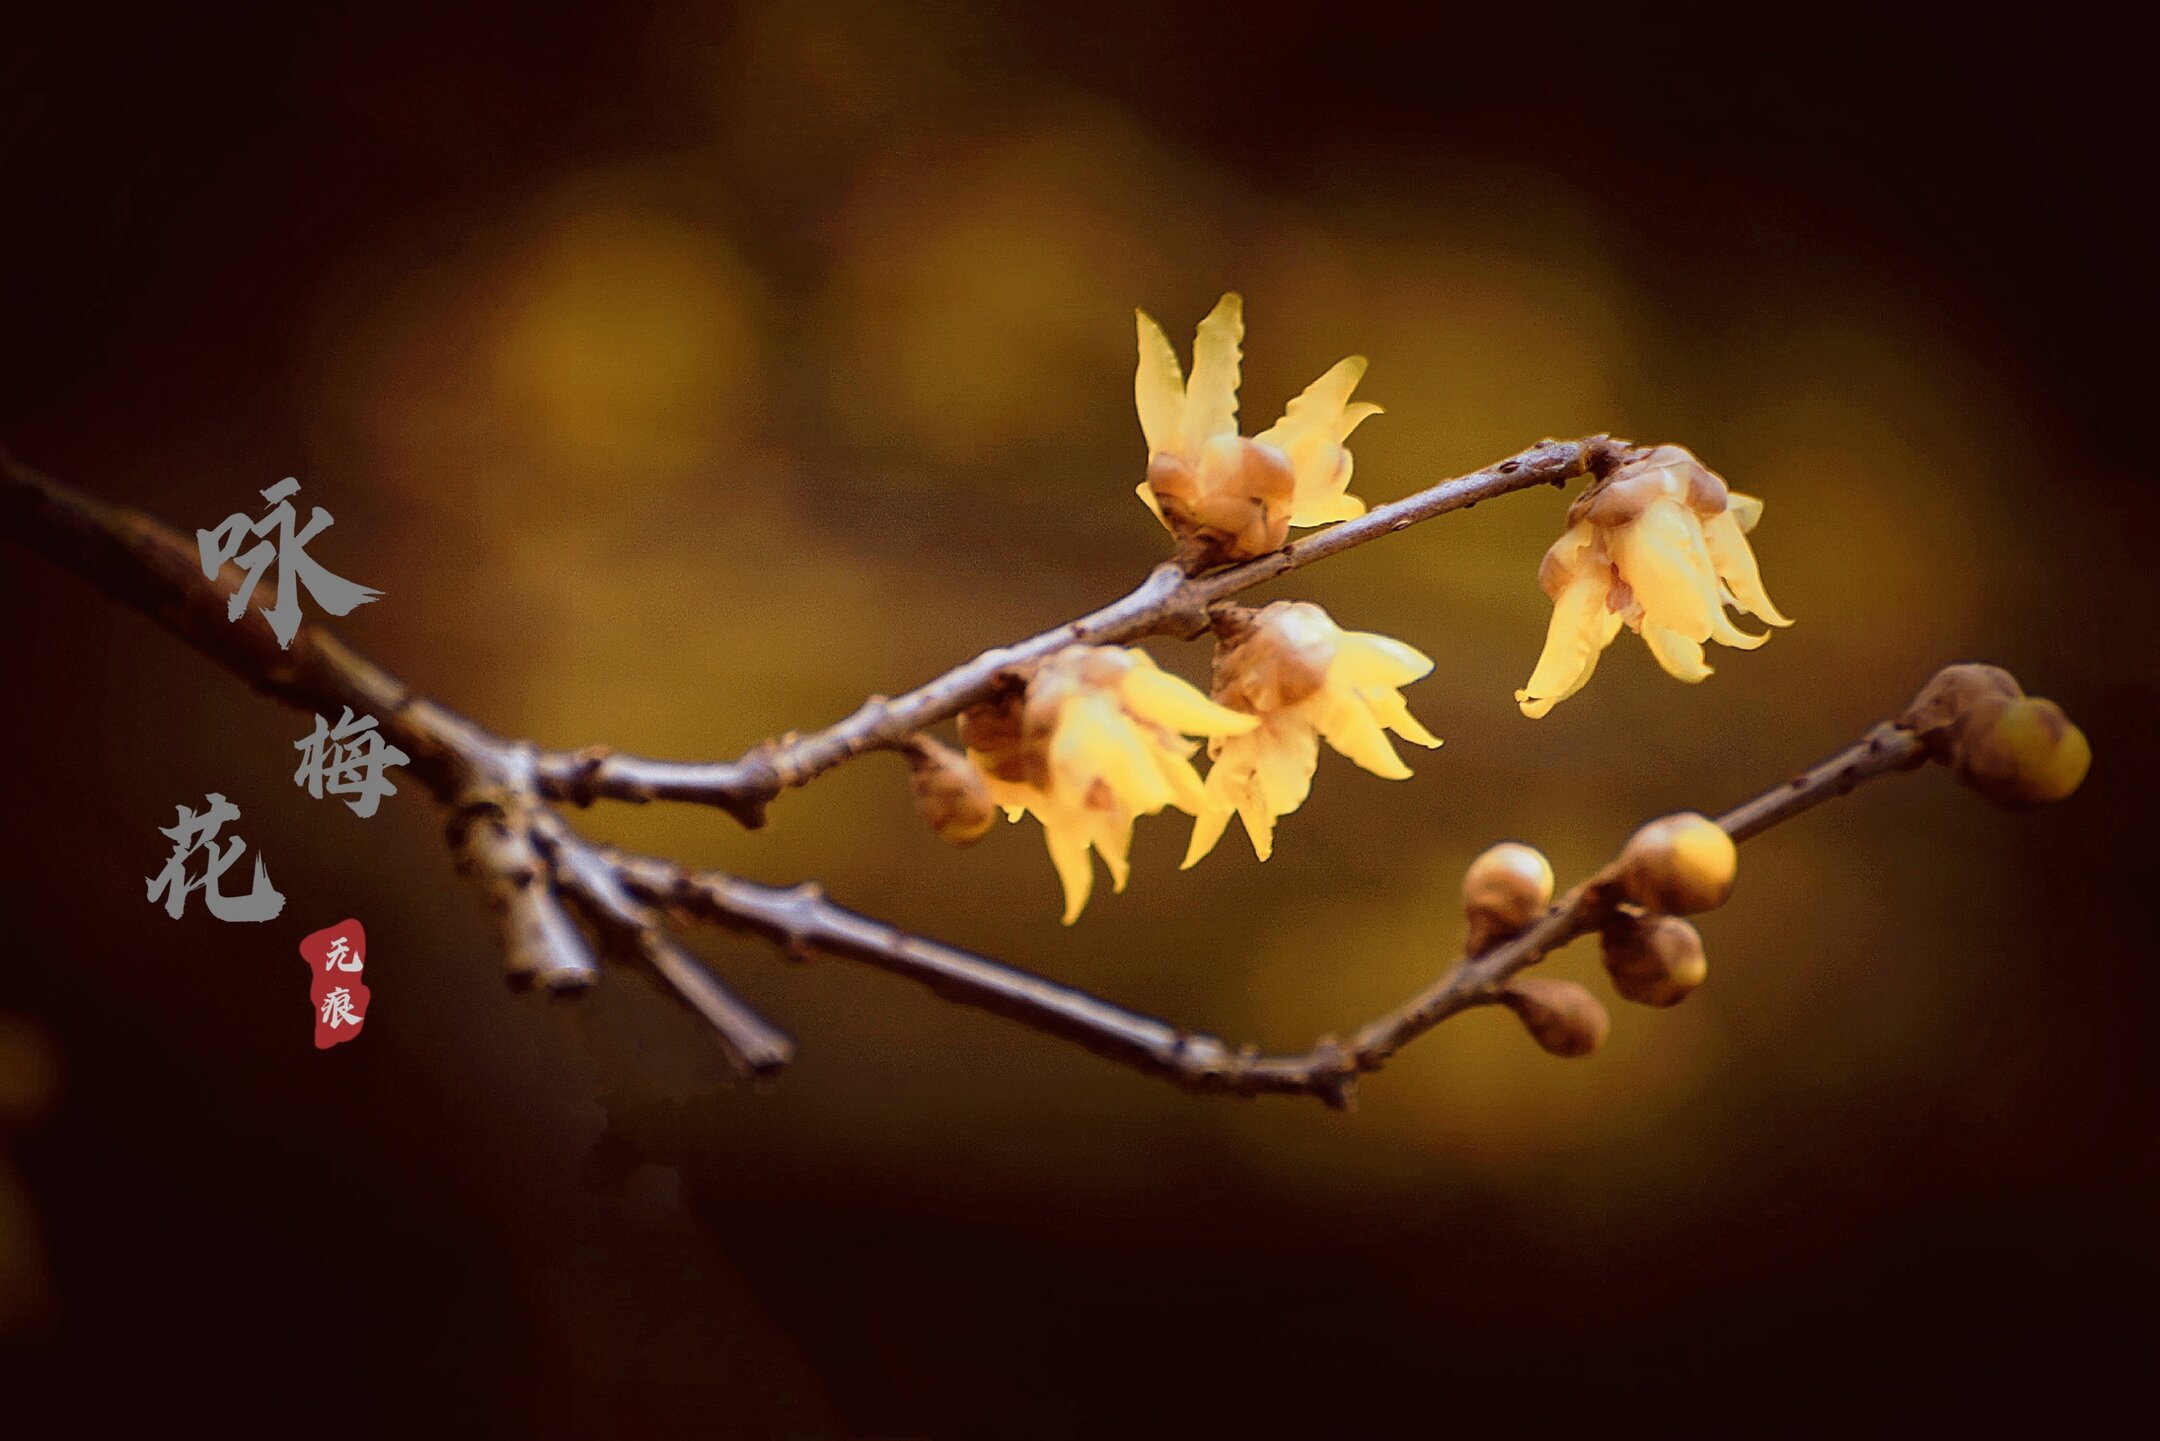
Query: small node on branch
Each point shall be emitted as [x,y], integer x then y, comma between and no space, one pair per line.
[949,792]
[1679,865]
[1654,960]
[2018,750]
[1560,1016]
[1504,890]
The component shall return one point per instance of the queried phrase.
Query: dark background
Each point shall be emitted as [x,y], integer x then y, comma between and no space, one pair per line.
[684,374]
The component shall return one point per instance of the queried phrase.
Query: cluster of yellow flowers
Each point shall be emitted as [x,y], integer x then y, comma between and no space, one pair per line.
[1098,736]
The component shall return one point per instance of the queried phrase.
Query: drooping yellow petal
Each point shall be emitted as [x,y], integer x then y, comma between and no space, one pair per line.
[1725,538]
[1211,394]
[1284,759]
[1208,828]
[1159,391]
[1351,729]
[1113,842]
[1681,656]
[1095,741]
[1745,509]
[1392,711]
[1659,555]
[1573,641]
[1068,843]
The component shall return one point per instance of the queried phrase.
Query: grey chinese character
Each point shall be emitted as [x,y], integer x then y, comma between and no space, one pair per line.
[199,832]
[337,1009]
[348,760]
[296,568]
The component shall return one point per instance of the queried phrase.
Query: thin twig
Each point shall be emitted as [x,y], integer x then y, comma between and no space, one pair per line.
[1167,602]
[801,920]
[535,870]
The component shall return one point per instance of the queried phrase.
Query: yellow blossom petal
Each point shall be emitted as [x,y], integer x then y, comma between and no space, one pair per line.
[1660,555]
[1211,394]
[1573,641]
[1681,656]
[1363,658]
[1392,711]
[1725,538]
[1159,390]
[1068,845]
[1208,828]
[1350,728]
[1155,695]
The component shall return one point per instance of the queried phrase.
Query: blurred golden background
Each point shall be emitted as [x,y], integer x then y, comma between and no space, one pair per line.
[682,375]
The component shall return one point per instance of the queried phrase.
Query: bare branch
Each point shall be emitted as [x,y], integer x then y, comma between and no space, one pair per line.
[801,920]
[1168,602]
[527,861]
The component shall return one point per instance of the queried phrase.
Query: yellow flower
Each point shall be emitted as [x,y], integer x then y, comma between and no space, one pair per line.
[1235,497]
[1304,679]
[1097,738]
[1661,546]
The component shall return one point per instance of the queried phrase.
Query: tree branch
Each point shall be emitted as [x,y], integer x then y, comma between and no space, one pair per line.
[1168,602]
[535,871]
[804,922]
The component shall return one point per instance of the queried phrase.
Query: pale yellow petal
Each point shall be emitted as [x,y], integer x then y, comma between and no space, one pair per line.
[1146,493]
[1211,394]
[1068,843]
[1571,646]
[1351,729]
[1356,415]
[1208,827]
[1745,509]
[1187,791]
[1724,632]
[1725,537]
[1681,656]
[1159,389]
[1660,556]
[1259,821]
[1365,658]
[1094,742]
[1113,841]
[1326,510]
[1156,695]
[1392,711]
[1285,757]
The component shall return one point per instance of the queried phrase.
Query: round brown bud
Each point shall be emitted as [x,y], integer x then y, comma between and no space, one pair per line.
[1679,865]
[2021,752]
[1657,961]
[1504,890]
[949,793]
[1560,1016]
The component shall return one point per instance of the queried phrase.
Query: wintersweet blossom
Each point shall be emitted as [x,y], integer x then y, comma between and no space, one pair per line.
[1304,679]
[1097,738]
[1660,546]
[1236,497]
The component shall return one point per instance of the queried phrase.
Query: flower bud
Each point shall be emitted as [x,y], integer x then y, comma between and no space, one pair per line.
[1504,890]
[2021,753]
[1679,865]
[1560,1016]
[949,792]
[1656,961]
